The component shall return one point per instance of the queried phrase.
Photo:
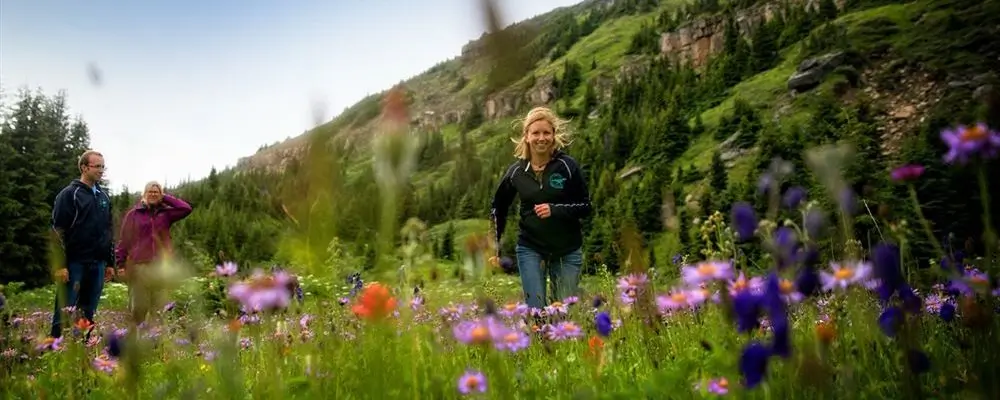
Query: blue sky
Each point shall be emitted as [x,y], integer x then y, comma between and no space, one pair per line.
[188,85]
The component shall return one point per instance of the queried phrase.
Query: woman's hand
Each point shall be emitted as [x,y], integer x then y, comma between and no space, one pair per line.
[543,210]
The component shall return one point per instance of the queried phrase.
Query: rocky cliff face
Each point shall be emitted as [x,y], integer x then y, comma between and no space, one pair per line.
[695,41]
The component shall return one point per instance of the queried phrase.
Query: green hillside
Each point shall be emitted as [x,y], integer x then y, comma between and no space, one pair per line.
[702,121]
[631,105]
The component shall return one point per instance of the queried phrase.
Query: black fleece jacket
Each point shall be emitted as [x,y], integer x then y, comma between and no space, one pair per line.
[563,186]
[82,216]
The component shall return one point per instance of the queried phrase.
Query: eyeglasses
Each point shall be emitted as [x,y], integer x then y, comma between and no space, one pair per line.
[98,166]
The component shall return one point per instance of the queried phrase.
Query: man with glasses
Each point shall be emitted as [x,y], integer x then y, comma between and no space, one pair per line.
[81,219]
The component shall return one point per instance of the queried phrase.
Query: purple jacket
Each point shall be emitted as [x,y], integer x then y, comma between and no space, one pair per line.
[145,231]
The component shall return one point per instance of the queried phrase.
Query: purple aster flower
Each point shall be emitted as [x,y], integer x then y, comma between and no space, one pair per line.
[263,292]
[227,268]
[741,283]
[513,310]
[907,173]
[452,312]
[706,271]
[565,330]
[557,308]
[719,386]
[844,275]
[416,302]
[480,331]
[744,221]
[630,285]
[680,298]
[50,344]
[105,364]
[511,340]
[965,143]
[472,382]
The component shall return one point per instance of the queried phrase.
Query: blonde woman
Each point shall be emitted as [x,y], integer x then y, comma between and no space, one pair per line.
[145,238]
[554,199]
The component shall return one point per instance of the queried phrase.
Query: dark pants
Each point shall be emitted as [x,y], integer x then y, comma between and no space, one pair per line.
[564,273]
[83,289]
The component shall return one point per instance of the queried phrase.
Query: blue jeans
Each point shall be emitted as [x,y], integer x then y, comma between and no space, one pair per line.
[83,289]
[564,272]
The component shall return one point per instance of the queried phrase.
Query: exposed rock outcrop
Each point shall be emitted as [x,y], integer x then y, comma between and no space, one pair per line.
[696,41]
[812,71]
[699,39]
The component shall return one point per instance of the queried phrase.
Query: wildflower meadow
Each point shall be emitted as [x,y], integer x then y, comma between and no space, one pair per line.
[790,323]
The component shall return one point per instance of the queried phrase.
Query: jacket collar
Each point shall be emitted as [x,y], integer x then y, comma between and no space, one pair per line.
[555,156]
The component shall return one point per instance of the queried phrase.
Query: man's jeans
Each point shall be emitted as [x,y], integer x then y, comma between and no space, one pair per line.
[563,271]
[83,290]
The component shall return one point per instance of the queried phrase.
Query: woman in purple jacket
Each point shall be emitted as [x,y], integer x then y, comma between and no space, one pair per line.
[145,239]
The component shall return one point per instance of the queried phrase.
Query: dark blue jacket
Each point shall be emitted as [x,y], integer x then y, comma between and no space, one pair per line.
[563,186]
[82,216]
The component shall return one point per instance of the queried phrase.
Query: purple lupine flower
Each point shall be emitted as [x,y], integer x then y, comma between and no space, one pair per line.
[907,173]
[813,223]
[753,364]
[844,275]
[603,322]
[597,302]
[947,312]
[886,270]
[793,197]
[706,271]
[472,382]
[890,320]
[744,221]
[968,142]
[747,307]
[847,201]
[785,245]
[918,361]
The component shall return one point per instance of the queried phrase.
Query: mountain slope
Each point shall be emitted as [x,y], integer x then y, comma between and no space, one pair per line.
[701,94]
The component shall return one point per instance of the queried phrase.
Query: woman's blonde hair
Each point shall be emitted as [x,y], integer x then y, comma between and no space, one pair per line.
[151,185]
[536,114]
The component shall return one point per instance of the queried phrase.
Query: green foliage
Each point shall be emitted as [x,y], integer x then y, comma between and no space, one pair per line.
[40,144]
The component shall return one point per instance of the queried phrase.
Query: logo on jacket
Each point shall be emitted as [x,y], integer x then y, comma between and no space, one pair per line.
[557,181]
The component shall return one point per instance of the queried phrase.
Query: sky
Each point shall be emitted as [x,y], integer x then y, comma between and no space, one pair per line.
[187,85]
